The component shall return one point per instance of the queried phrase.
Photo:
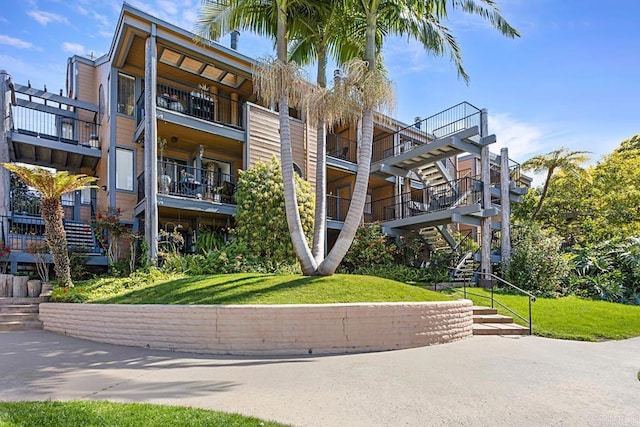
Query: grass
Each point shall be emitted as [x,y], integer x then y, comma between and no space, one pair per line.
[250,288]
[570,317]
[100,413]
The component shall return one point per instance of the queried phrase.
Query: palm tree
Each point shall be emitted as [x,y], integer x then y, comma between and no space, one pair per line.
[558,160]
[372,20]
[51,187]
[414,19]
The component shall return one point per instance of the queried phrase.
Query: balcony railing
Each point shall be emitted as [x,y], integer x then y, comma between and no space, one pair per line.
[460,192]
[188,181]
[342,148]
[195,102]
[440,125]
[54,127]
[32,207]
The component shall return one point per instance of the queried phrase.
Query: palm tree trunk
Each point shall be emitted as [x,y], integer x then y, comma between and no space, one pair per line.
[320,223]
[52,215]
[298,239]
[359,196]
[545,189]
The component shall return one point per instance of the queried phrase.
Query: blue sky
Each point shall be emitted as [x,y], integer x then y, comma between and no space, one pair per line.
[572,79]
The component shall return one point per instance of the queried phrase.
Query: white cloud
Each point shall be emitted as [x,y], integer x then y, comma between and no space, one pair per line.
[81,10]
[12,41]
[74,48]
[43,17]
[521,138]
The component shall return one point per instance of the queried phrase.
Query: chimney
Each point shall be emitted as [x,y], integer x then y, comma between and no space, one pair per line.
[235,35]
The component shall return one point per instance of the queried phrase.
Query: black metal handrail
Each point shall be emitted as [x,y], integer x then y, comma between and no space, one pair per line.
[459,192]
[530,296]
[54,127]
[447,122]
[32,206]
[342,148]
[337,207]
[188,181]
[141,189]
[200,102]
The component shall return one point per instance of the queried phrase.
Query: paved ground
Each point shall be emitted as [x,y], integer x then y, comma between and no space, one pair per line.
[478,381]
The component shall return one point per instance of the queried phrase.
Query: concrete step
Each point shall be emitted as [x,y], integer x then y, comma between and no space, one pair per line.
[499,329]
[18,317]
[20,326]
[480,310]
[18,301]
[18,308]
[491,318]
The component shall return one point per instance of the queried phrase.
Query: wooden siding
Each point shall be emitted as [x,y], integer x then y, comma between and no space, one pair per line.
[102,73]
[264,141]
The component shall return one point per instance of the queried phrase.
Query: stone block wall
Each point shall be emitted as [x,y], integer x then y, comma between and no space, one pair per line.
[265,329]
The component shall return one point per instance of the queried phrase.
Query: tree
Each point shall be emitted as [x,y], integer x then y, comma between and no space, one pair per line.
[51,187]
[632,143]
[277,80]
[562,159]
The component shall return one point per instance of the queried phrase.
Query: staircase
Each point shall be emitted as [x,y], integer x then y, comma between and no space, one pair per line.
[80,237]
[487,321]
[19,314]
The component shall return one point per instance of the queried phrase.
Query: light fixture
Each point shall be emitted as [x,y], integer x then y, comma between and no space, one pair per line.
[174,139]
[201,151]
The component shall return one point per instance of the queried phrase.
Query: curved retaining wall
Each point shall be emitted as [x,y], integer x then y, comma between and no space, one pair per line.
[264,329]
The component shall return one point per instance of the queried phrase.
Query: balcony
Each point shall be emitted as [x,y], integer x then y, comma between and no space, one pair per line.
[197,102]
[192,183]
[445,123]
[342,148]
[46,138]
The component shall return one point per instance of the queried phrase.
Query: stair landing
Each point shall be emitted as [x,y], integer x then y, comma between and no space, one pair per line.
[487,321]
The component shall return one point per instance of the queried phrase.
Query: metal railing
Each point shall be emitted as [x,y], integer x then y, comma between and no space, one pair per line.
[529,295]
[141,190]
[460,192]
[459,117]
[342,148]
[54,127]
[201,103]
[188,181]
[337,207]
[32,207]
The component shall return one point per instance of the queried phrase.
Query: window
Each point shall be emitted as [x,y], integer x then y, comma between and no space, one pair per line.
[126,86]
[297,169]
[124,169]
[367,205]
[85,196]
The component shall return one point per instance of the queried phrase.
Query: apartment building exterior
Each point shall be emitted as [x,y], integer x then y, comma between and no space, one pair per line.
[166,124]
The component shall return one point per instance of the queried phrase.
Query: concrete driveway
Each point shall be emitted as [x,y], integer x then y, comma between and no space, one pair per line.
[478,381]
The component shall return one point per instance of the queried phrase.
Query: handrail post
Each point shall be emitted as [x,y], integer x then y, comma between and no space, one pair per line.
[530,323]
[491,294]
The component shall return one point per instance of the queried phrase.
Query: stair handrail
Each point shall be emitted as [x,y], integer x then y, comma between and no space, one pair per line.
[531,297]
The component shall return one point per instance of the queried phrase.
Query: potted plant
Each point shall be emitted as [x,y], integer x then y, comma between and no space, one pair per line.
[216,194]
[164,180]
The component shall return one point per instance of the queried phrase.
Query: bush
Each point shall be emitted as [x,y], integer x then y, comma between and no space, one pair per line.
[370,247]
[537,265]
[74,295]
[261,221]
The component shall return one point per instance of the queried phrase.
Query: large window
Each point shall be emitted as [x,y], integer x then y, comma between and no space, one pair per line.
[124,169]
[126,87]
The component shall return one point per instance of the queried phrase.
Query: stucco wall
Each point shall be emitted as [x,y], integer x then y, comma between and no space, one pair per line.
[265,329]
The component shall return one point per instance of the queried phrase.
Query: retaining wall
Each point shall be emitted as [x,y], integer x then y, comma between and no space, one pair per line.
[264,329]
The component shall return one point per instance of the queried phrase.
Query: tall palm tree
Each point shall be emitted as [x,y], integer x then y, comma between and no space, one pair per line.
[413,18]
[51,187]
[558,160]
[419,20]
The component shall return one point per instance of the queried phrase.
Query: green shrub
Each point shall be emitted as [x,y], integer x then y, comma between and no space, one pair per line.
[370,247]
[74,295]
[537,264]
[261,223]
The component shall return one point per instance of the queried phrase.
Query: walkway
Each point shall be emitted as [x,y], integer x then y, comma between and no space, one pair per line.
[478,381]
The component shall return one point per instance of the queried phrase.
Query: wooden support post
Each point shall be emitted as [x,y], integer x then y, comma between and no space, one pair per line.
[235,108]
[5,177]
[151,146]
[505,210]
[485,263]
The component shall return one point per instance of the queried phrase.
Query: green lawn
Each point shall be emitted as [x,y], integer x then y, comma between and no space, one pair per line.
[248,288]
[98,413]
[571,317]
